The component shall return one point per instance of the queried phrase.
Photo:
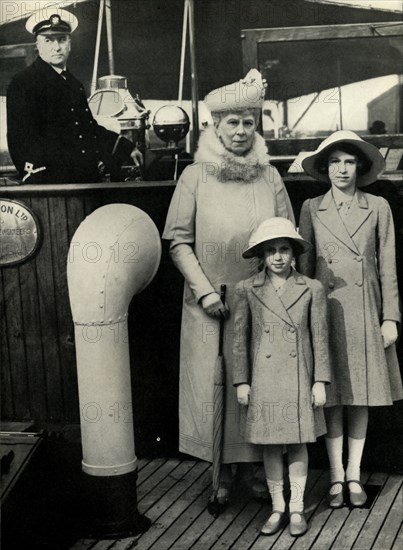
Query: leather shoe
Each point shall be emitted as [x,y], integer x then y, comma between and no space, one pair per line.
[357,499]
[271,527]
[298,528]
[335,500]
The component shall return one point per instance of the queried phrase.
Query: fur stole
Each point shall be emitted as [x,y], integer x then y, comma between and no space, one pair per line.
[227,166]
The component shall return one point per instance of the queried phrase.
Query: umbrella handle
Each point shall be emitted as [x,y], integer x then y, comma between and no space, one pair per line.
[223,290]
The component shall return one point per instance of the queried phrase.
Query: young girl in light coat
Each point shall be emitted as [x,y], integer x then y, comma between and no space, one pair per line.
[281,364]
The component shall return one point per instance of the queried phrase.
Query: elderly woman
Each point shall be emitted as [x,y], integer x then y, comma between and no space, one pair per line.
[218,201]
[354,258]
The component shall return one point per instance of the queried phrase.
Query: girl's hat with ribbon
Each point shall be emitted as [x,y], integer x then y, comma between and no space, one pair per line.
[315,164]
[275,228]
[247,93]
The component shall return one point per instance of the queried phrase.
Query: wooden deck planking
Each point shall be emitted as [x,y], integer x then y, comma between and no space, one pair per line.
[398,543]
[179,517]
[170,479]
[376,517]
[240,523]
[169,525]
[174,495]
[180,480]
[390,528]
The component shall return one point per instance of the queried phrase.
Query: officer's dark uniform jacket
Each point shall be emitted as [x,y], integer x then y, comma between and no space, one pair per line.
[52,135]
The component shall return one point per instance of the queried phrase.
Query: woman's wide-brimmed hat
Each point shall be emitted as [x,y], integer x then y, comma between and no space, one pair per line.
[375,160]
[275,228]
[247,93]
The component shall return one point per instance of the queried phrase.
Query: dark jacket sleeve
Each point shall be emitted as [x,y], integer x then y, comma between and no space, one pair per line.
[21,125]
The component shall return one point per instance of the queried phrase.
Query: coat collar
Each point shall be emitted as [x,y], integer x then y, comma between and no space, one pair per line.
[227,166]
[295,287]
[330,218]
[51,76]
[359,212]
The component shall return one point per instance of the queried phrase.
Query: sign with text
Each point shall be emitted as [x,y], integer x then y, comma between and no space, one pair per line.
[19,232]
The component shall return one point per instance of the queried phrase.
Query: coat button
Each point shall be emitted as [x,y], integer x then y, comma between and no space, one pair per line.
[72,109]
[330,260]
[83,151]
[331,285]
[268,355]
[359,258]
[76,123]
[293,353]
[267,330]
[80,137]
[86,110]
[291,329]
[358,283]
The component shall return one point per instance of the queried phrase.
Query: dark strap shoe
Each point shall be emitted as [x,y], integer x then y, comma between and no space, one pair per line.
[357,499]
[335,500]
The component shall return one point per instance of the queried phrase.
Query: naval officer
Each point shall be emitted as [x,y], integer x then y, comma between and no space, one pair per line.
[52,135]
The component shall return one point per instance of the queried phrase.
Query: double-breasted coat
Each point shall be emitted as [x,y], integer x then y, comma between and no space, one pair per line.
[52,135]
[354,258]
[281,349]
[209,223]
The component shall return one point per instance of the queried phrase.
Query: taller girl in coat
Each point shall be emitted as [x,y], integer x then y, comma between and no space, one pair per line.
[354,258]
[218,201]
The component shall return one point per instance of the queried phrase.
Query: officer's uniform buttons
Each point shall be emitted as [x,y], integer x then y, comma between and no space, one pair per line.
[80,137]
[72,109]
[293,353]
[91,122]
[291,329]
[268,355]
[358,283]
[267,330]
[331,285]
[76,123]
[359,258]
[86,109]
[83,151]
[330,260]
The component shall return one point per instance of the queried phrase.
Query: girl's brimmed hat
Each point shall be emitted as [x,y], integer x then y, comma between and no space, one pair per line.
[376,163]
[247,93]
[275,228]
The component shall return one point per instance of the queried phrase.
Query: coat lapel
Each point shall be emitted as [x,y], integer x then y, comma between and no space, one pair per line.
[359,212]
[267,296]
[329,216]
[293,289]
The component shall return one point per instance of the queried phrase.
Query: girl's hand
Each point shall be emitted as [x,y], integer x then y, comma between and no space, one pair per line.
[242,393]
[213,306]
[389,333]
[318,394]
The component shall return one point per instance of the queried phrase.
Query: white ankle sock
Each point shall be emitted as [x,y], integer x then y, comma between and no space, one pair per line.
[276,493]
[355,450]
[334,446]
[297,485]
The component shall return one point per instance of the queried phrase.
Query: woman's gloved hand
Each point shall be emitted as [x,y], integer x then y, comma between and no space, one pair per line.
[318,394]
[213,306]
[389,333]
[243,393]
